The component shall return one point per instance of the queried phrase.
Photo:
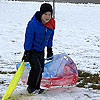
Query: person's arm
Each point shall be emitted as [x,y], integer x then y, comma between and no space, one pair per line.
[50,41]
[29,35]
[49,47]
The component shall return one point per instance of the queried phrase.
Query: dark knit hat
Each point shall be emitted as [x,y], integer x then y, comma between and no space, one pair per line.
[45,7]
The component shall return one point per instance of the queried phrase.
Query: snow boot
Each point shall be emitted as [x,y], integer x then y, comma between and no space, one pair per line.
[41,91]
[32,90]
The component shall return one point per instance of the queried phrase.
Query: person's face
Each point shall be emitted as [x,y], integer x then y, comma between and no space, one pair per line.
[46,17]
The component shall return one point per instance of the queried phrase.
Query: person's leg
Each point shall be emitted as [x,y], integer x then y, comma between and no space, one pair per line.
[39,82]
[35,71]
[41,60]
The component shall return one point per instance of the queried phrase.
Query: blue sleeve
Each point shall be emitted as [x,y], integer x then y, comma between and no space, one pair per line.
[29,36]
[50,42]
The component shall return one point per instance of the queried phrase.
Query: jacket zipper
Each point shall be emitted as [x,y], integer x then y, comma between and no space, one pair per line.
[44,35]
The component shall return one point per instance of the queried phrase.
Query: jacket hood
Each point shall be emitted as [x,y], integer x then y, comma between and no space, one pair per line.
[36,17]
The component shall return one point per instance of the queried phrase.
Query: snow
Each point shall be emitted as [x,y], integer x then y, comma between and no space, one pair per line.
[77,34]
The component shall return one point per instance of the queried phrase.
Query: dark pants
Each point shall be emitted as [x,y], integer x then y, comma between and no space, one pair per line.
[37,67]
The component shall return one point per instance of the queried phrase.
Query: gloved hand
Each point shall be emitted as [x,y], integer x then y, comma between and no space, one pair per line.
[26,56]
[49,53]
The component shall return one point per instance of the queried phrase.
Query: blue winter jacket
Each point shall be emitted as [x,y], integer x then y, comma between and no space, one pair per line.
[37,35]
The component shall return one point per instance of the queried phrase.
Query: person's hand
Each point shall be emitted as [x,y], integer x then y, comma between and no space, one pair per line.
[26,56]
[49,56]
[49,53]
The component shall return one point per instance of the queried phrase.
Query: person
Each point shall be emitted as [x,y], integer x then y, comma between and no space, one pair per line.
[39,34]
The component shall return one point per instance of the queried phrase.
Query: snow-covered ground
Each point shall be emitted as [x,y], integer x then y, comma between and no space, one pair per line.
[77,34]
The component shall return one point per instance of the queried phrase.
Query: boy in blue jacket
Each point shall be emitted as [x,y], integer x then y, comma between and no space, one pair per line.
[39,34]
